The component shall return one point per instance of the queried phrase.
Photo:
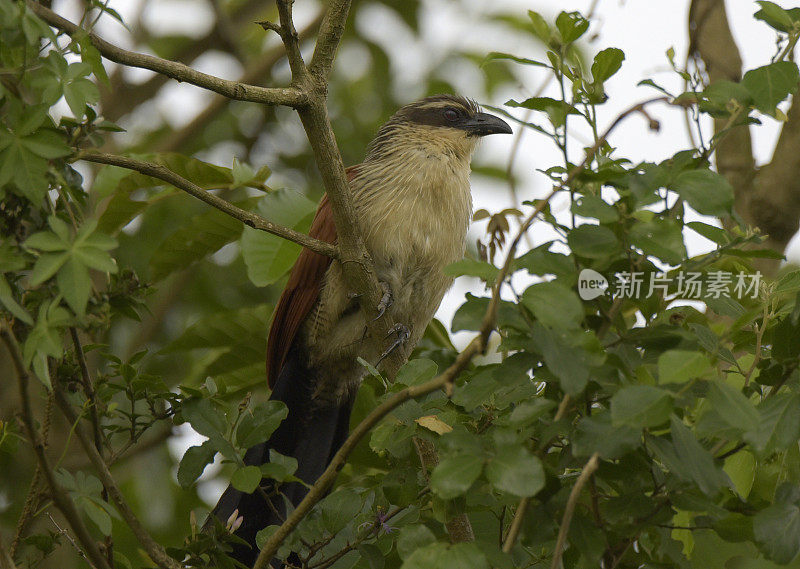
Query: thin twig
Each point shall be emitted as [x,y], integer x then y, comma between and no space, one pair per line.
[572,501]
[522,508]
[288,96]
[60,496]
[250,219]
[88,389]
[6,560]
[154,550]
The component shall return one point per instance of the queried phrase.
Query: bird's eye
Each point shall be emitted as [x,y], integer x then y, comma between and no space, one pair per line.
[451,115]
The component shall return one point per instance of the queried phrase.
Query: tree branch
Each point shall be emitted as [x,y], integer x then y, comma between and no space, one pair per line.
[586,473]
[291,41]
[120,97]
[154,550]
[254,73]
[329,37]
[250,219]
[289,96]
[6,562]
[710,38]
[59,494]
[522,508]
[325,481]
[775,206]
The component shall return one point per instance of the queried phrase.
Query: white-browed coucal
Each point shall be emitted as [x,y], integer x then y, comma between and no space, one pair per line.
[413,204]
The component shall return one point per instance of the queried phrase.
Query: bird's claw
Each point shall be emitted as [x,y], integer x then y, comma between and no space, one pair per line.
[386,300]
[402,334]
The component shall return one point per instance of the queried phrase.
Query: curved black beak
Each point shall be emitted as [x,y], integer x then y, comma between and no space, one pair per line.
[482,124]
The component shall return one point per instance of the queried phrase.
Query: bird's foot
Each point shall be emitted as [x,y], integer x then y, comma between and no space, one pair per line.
[386,300]
[401,334]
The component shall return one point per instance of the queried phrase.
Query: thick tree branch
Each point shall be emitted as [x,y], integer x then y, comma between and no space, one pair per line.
[710,38]
[154,550]
[250,219]
[59,494]
[289,96]
[775,207]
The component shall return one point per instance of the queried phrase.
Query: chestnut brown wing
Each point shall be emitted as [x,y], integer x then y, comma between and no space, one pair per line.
[302,290]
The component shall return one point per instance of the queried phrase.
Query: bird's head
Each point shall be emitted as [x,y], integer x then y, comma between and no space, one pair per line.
[446,124]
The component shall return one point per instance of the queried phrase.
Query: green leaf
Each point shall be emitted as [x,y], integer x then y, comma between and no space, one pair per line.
[706,191]
[46,266]
[496,55]
[554,305]
[47,241]
[555,109]
[204,417]
[258,424]
[687,458]
[779,424]
[98,515]
[46,143]
[776,17]
[711,232]
[571,25]
[201,236]
[660,238]
[541,261]
[75,285]
[7,299]
[447,556]
[413,537]
[607,63]
[777,531]
[596,207]
[733,407]
[279,467]
[194,462]
[516,471]
[26,170]
[593,241]
[246,479]
[372,554]
[454,475]
[473,268]
[771,84]
[566,355]
[269,257]
[680,366]
[641,406]
[599,434]
[416,371]
[340,509]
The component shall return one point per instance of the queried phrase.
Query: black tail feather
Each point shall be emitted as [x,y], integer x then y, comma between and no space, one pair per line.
[311,433]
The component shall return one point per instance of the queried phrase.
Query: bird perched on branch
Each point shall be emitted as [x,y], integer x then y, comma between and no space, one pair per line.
[413,205]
